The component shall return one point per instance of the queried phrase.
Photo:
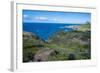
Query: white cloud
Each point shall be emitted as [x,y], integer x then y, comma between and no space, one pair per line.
[41,18]
[25,16]
[55,19]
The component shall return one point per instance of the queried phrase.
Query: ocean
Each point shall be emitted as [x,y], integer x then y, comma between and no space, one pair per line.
[46,30]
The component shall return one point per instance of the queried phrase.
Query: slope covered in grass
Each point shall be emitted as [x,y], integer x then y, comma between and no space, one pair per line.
[72,45]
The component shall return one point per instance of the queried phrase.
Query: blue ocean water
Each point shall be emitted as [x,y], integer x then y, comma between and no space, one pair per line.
[46,30]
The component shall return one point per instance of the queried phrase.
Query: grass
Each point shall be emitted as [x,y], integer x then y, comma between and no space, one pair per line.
[73,45]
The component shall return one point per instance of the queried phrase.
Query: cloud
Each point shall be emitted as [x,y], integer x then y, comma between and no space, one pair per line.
[45,18]
[25,16]
[41,18]
[54,19]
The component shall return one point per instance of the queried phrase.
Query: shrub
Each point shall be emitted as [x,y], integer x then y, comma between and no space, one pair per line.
[71,56]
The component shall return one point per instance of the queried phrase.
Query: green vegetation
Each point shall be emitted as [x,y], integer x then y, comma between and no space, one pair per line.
[73,45]
[85,27]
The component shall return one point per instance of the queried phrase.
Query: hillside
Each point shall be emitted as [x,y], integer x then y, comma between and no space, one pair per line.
[73,45]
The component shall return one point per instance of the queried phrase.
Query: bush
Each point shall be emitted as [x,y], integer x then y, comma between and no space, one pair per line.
[71,56]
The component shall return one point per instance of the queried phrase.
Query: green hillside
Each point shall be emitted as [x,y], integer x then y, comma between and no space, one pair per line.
[73,45]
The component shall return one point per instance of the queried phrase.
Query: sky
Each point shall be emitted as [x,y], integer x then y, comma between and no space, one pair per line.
[37,16]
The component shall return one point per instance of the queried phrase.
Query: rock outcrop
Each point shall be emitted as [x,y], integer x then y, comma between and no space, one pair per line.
[43,54]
